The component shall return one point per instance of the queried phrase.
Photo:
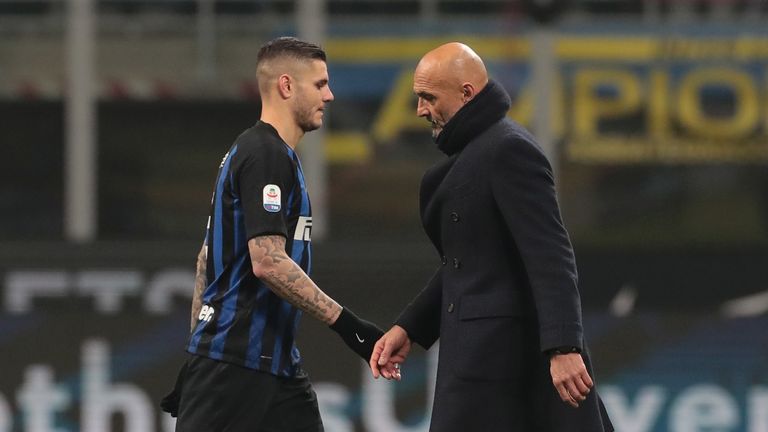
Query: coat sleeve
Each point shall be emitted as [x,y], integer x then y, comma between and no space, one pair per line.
[421,318]
[524,190]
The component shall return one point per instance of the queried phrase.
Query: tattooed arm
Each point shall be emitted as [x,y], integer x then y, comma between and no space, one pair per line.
[273,266]
[286,279]
[197,296]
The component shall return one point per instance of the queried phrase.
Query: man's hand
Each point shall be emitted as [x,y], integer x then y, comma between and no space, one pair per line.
[170,403]
[570,377]
[388,352]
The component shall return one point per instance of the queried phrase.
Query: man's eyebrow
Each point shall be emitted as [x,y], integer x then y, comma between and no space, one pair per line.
[425,95]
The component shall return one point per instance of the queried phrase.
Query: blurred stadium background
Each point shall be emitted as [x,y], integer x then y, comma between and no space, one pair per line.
[115,113]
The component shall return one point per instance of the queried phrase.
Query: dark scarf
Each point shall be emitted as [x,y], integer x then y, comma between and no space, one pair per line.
[485,109]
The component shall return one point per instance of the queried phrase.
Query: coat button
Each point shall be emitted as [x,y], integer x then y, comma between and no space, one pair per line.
[444,260]
[455,216]
[456,263]
[450,308]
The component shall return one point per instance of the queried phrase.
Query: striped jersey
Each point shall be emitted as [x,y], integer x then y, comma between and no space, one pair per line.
[259,191]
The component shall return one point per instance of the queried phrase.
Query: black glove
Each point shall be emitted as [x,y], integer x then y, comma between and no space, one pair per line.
[170,402]
[358,334]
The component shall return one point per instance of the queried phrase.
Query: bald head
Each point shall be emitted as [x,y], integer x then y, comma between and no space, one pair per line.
[446,79]
[457,63]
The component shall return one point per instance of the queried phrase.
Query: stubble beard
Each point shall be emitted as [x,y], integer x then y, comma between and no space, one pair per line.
[436,129]
[304,119]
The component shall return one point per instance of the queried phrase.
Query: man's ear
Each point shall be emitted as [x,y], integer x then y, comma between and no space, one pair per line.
[468,92]
[285,86]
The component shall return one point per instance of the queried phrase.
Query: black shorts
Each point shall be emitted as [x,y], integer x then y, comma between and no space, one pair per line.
[223,397]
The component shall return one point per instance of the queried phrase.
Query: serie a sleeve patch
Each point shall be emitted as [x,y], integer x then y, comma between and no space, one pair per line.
[271,198]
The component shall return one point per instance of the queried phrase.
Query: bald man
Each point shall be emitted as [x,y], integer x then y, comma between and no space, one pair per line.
[504,300]
[252,285]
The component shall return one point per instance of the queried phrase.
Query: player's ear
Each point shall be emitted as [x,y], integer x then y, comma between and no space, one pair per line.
[285,86]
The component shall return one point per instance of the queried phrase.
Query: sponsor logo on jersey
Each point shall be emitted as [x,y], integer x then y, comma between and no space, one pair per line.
[303,229]
[206,313]
[271,198]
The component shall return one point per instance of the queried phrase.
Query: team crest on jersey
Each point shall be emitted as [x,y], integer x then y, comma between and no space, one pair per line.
[271,198]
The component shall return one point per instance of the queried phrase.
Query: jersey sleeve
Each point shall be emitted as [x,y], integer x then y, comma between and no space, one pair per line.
[264,181]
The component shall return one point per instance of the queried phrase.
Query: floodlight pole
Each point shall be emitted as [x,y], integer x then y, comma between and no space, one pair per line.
[206,41]
[544,77]
[80,153]
[311,19]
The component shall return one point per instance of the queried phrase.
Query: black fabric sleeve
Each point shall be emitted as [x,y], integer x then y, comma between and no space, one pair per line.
[264,181]
[524,189]
[421,318]
[359,335]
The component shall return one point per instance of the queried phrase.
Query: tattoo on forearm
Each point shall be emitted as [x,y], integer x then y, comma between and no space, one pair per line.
[289,281]
[200,283]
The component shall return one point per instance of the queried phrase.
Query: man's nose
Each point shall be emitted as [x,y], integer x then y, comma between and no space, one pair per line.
[329,96]
[421,108]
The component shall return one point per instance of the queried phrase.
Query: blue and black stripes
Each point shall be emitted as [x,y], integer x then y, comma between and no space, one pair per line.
[251,325]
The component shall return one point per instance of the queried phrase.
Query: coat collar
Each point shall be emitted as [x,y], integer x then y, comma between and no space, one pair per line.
[485,109]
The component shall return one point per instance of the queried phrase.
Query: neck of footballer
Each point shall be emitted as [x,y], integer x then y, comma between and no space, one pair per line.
[288,130]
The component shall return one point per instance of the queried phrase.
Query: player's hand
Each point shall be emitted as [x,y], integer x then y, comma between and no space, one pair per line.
[170,403]
[357,333]
[389,352]
[570,377]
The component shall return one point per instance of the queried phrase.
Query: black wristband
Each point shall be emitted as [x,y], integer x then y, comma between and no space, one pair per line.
[345,322]
[360,335]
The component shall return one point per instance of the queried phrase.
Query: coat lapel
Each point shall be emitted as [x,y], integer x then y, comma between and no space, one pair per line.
[433,187]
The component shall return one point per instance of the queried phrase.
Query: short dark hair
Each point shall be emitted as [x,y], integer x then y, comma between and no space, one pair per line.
[289,47]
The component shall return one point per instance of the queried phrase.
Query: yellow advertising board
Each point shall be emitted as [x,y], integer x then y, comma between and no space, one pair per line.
[617,98]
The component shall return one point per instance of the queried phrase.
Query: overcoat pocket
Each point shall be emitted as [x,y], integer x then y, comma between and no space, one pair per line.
[490,337]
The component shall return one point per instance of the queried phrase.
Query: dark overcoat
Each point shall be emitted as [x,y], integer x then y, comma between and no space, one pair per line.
[506,289]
